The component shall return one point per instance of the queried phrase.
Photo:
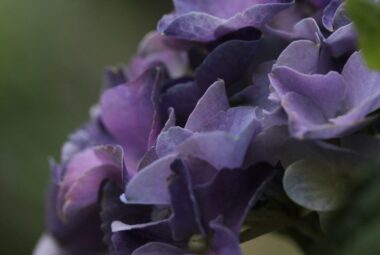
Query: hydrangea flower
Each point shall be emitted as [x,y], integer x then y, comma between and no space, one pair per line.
[227,126]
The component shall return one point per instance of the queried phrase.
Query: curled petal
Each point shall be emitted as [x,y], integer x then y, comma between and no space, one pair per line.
[207,21]
[325,91]
[84,174]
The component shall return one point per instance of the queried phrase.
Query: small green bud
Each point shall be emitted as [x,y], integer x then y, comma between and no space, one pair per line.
[198,243]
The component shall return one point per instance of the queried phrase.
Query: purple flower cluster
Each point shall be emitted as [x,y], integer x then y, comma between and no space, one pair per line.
[231,106]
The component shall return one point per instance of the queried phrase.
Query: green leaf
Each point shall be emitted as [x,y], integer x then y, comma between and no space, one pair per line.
[366,17]
[355,228]
[269,218]
[316,185]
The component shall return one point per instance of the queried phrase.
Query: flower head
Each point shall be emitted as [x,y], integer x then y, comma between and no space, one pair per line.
[238,110]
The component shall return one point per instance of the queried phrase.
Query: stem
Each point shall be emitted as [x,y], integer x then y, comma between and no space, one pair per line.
[306,228]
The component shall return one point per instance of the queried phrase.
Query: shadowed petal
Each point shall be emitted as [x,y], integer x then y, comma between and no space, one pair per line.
[224,241]
[342,41]
[229,62]
[186,219]
[230,200]
[84,174]
[128,238]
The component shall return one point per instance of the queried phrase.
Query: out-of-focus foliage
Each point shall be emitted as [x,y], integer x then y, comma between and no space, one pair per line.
[355,228]
[366,16]
[52,53]
[271,245]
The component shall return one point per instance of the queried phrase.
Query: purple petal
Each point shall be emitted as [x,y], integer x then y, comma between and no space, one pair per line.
[212,102]
[305,29]
[342,41]
[193,26]
[218,148]
[149,157]
[182,97]
[175,63]
[329,14]
[233,121]
[91,134]
[171,121]
[80,231]
[168,141]
[207,21]
[326,106]
[149,186]
[308,51]
[155,50]
[356,117]
[306,121]
[154,42]
[265,146]
[256,16]
[230,200]
[362,84]
[257,94]
[229,62]
[304,116]
[324,91]
[128,238]
[215,8]
[122,109]
[315,57]
[84,175]
[273,117]
[319,3]
[224,241]
[186,219]
[118,226]
[283,23]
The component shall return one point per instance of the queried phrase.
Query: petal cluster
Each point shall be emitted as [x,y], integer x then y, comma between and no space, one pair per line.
[226,125]
[205,21]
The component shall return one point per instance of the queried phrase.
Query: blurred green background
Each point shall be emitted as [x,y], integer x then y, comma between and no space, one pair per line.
[52,54]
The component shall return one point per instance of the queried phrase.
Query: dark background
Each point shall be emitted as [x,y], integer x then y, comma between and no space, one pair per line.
[52,55]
